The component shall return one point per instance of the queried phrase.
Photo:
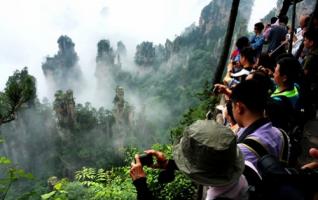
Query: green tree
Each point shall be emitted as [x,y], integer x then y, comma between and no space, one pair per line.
[20,89]
[145,54]
[105,53]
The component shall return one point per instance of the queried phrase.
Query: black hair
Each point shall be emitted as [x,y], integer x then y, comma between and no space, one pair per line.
[283,19]
[267,61]
[249,54]
[290,67]
[230,111]
[262,78]
[273,20]
[283,55]
[312,35]
[242,42]
[252,94]
[259,26]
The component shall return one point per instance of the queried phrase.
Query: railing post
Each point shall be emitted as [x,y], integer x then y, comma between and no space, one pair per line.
[227,42]
[292,28]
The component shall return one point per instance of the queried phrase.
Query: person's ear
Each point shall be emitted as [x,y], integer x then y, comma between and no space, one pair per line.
[240,107]
[284,78]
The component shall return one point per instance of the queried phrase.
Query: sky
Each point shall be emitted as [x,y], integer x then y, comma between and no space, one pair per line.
[260,9]
[30,29]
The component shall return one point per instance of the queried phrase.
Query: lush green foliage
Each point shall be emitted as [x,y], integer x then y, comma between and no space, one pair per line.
[116,183]
[145,54]
[9,175]
[20,89]
[69,136]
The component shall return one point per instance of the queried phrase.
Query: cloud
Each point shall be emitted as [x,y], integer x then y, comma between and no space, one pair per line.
[29,29]
[260,9]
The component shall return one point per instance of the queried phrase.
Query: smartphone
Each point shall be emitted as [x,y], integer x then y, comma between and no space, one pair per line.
[146,159]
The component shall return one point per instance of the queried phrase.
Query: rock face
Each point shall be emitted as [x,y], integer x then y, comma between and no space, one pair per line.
[121,49]
[62,71]
[64,107]
[105,62]
[145,54]
[216,14]
[105,53]
[122,111]
[305,7]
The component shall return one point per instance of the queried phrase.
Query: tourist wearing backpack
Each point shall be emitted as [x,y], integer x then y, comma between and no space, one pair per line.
[257,136]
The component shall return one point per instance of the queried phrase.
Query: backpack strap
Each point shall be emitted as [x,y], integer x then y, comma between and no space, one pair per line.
[255,146]
[285,150]
[249,130]
[258,148]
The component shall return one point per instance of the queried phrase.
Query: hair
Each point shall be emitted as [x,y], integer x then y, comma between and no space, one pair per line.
[273,20]
[283,19]
[262,78]
[230,111]
[267,61]
[284,55]
[290,67]
[312,35]
[249,54]
[252,94]
[259,26]
[242,42]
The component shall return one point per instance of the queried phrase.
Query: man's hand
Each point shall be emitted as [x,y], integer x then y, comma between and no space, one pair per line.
[223,89]
[313,152]
[136,170]
[162,162]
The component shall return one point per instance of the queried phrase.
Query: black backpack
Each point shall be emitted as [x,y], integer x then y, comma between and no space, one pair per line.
[283,115]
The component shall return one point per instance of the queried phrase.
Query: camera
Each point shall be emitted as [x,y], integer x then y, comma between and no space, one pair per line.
[281,182]
[146,159]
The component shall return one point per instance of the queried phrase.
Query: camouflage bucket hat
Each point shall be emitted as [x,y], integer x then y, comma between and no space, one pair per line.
[208,154]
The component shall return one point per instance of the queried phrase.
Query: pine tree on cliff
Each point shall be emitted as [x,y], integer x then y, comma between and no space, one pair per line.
[145,54]
[20,89]
[105,53]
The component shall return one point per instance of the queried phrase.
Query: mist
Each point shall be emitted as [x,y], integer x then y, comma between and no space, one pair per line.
[135,97]
[30,30]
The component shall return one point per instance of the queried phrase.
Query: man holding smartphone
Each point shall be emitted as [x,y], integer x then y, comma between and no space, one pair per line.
[207,154]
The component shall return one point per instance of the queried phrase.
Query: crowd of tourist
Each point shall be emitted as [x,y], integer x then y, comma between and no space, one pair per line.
[271,108]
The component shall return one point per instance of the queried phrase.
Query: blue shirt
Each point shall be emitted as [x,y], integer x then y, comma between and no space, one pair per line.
[257,42]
